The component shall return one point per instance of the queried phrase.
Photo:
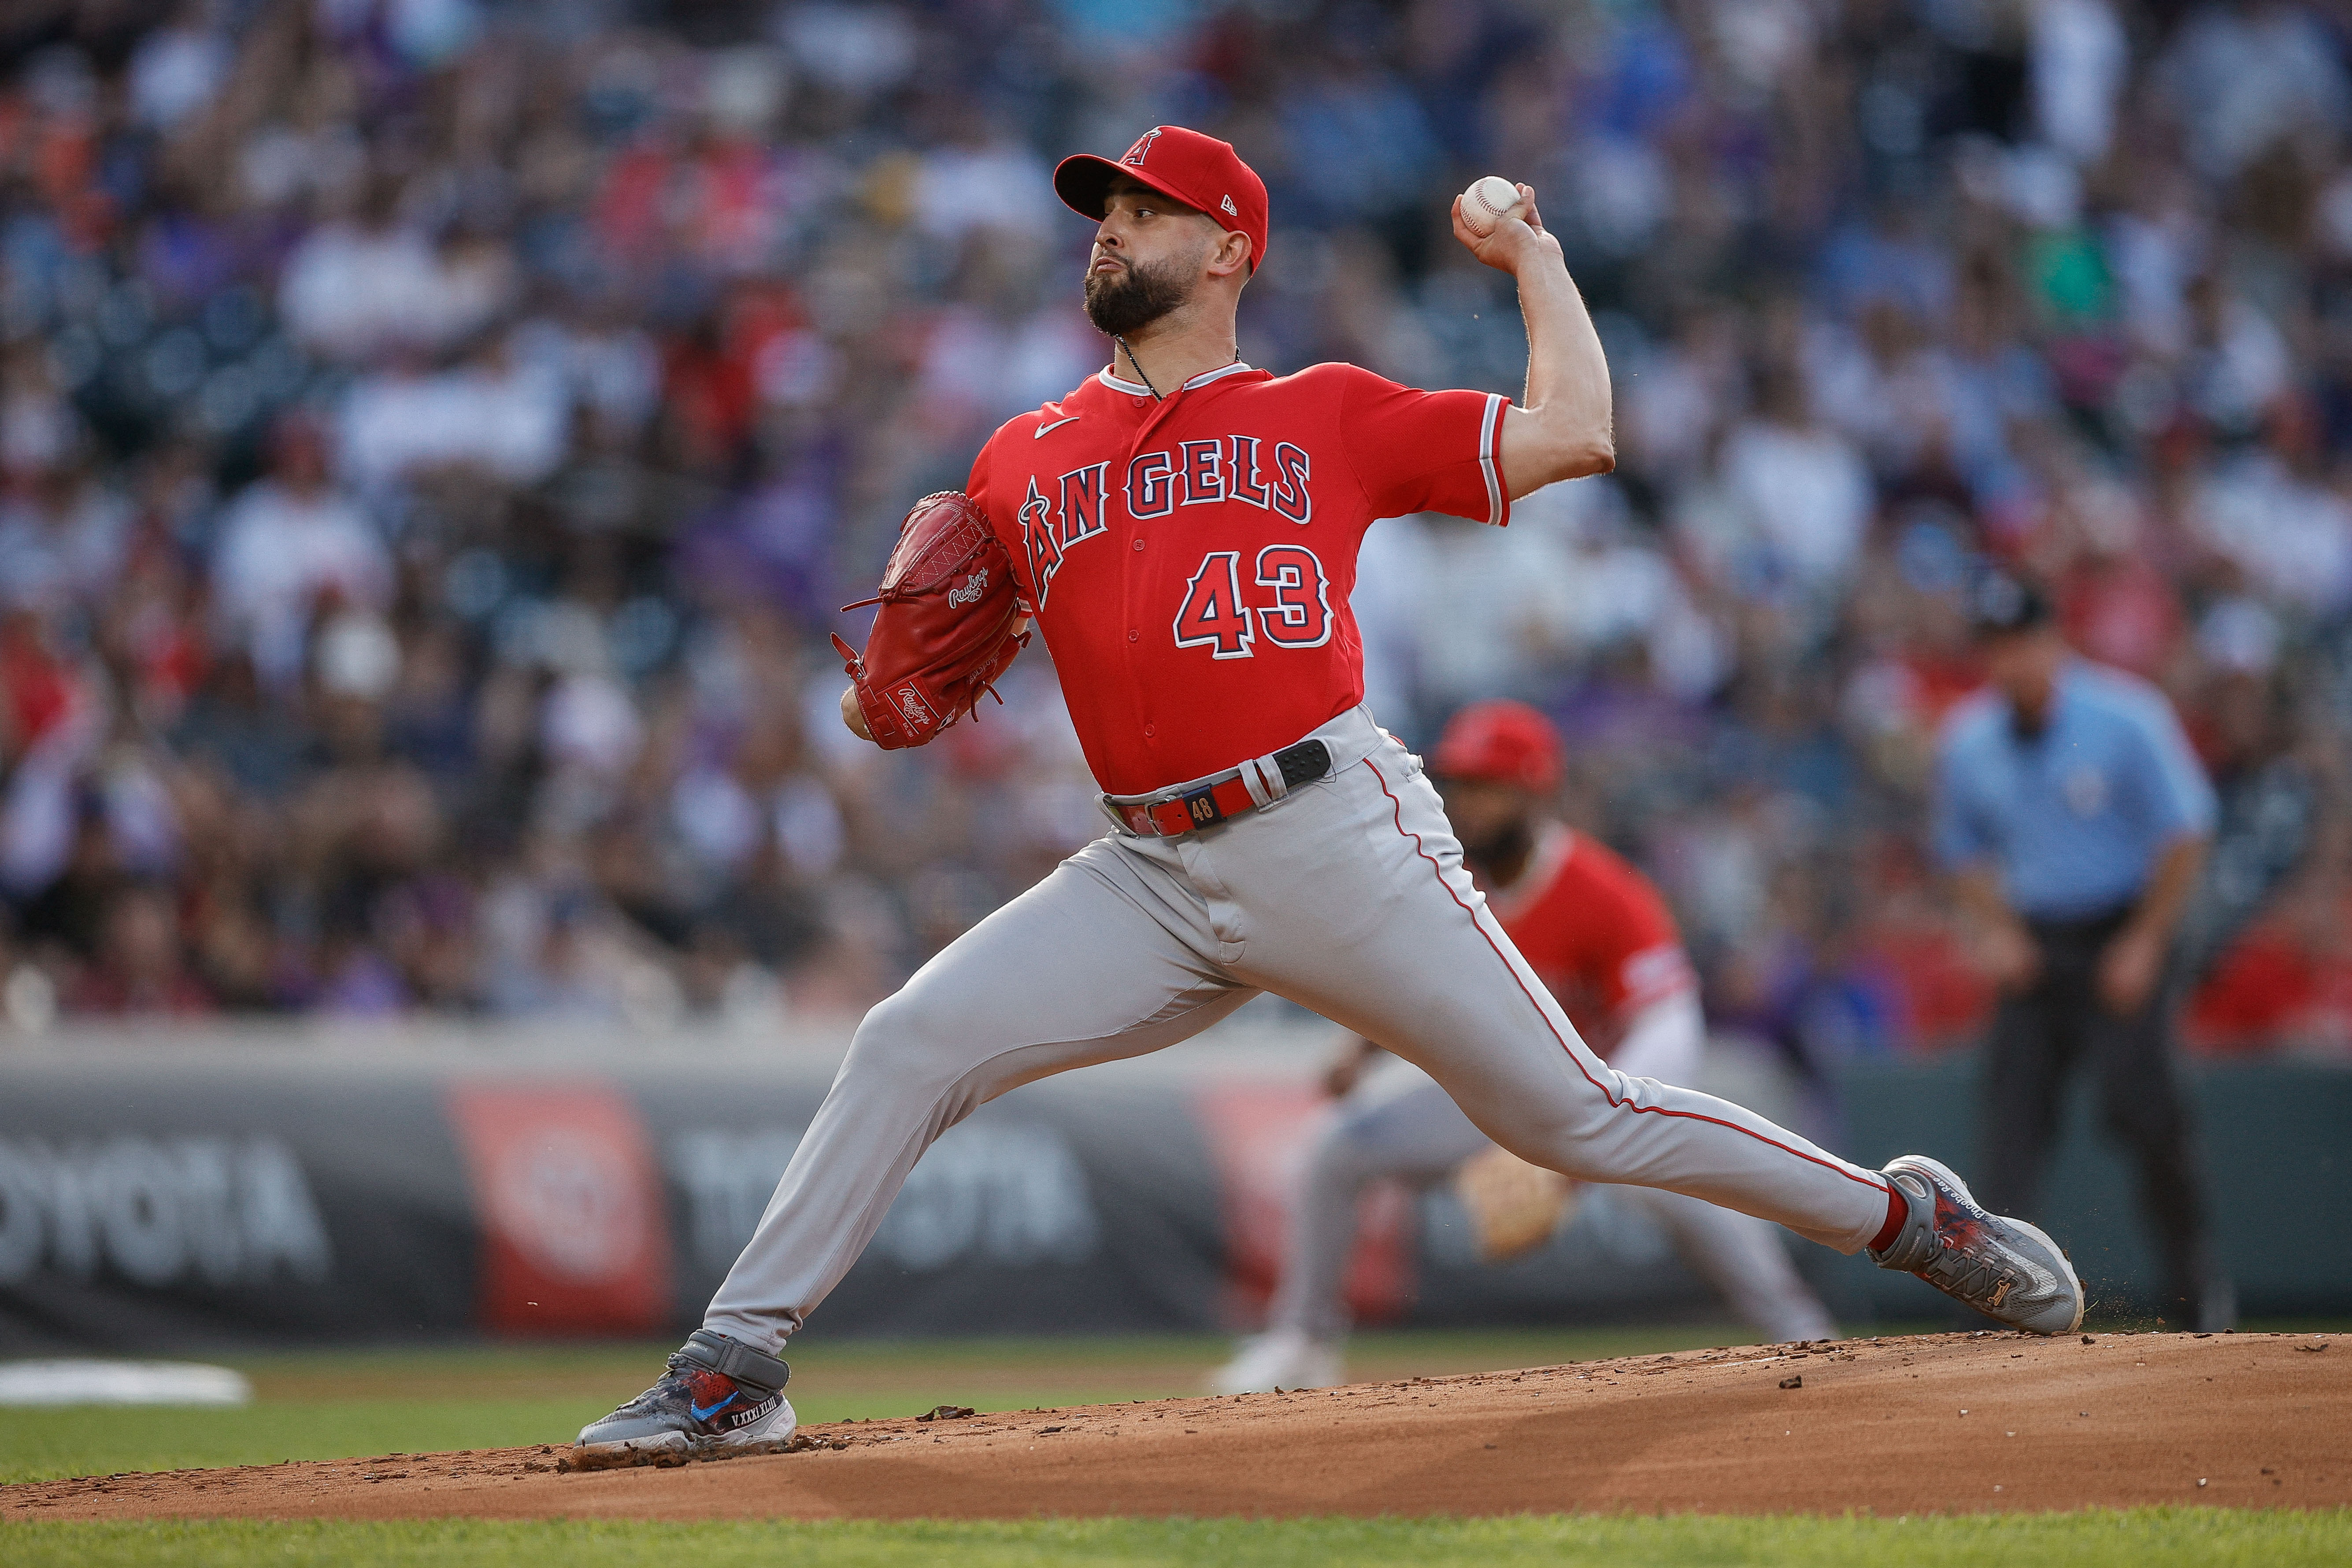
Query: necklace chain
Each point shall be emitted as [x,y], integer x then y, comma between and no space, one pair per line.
[1137,365]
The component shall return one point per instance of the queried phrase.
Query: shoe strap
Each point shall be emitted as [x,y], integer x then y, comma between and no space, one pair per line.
[1917,1246]
[755,1370]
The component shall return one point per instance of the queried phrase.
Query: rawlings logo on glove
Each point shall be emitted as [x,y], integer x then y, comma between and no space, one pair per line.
[946,628]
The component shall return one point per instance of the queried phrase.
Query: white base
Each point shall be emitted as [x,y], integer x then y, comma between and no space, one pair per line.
[72,1382]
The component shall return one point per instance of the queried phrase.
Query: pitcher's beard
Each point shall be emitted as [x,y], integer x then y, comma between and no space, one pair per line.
[1125,301]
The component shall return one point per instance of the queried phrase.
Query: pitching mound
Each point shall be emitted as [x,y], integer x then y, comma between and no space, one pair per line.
[1944,1423]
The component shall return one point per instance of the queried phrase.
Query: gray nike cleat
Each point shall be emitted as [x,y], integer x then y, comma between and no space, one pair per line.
[719,1400]
[2003,1267]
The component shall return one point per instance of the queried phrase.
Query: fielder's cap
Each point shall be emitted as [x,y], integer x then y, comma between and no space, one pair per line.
[2000,604]
[1501,741]
[1200,171]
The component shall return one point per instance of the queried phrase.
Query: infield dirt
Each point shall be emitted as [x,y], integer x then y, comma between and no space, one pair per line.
[1949,1422]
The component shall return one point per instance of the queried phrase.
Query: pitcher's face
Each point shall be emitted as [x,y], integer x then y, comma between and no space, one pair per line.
[1149,253]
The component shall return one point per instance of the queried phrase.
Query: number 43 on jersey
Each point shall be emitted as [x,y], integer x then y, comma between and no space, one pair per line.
[1291,609]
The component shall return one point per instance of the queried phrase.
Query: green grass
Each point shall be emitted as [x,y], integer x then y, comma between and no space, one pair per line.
[324,1405]
[2144,1538]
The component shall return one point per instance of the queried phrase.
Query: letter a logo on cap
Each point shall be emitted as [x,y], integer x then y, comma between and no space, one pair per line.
[1142,148]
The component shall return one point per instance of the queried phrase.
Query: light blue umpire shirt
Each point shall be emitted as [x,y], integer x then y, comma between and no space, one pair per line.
[2075,818]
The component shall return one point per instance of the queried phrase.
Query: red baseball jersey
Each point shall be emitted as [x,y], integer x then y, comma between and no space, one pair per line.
[1190,561]
[1594,931]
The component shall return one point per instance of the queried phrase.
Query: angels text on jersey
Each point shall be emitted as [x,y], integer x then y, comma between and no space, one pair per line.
[1217,612]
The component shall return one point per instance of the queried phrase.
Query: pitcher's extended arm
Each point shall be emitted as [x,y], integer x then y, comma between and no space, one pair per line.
[1563,428]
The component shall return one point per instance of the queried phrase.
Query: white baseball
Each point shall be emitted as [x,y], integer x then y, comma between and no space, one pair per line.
[1487,203]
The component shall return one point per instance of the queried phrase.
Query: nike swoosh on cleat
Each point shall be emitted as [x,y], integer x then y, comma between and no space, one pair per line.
[704,1413]
[1057,424]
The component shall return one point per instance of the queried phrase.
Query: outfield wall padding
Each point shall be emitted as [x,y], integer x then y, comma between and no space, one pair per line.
[263,1198]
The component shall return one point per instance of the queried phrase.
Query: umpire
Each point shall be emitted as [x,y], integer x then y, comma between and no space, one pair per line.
[2073,817]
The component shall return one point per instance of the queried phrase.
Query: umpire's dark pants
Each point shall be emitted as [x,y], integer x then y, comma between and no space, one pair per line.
[2039,1035]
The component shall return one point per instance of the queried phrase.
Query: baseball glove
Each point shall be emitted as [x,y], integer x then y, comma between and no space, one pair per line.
[1513,1207]
[946,628]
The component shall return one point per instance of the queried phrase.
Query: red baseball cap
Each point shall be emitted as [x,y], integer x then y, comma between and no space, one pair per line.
[1200,171]
[1501,741]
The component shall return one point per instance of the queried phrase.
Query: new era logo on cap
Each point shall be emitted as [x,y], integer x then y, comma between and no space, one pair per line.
[1205,174]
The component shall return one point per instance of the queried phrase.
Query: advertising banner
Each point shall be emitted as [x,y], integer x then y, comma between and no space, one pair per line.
[261,1199]
[251,1200]
[569,1208]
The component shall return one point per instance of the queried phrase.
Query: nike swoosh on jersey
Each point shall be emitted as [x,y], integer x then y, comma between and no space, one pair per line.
[1057,424]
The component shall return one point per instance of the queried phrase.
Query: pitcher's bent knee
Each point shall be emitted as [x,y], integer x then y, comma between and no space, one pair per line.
[910,1040]
[1562,1131]
[1571,1156]
[1567,1140]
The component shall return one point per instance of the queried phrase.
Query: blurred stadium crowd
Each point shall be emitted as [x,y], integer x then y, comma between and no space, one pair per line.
[435,436]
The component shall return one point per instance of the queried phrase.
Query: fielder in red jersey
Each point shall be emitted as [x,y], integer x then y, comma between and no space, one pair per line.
[1592,927]
[1594,931]
[1601,938]
[1185,529]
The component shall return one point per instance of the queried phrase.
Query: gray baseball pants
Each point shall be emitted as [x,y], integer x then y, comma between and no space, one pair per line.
[1347,895]
[1400,1124]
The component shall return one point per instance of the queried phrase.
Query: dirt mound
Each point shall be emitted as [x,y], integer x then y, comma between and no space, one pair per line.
[1951,1423]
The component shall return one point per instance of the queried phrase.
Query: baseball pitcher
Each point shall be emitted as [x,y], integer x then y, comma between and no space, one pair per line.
[1182,529]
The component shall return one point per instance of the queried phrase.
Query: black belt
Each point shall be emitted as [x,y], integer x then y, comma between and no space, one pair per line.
[1259,782]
